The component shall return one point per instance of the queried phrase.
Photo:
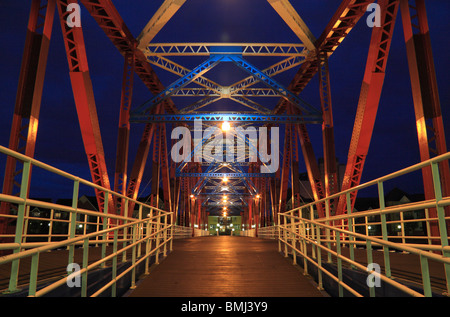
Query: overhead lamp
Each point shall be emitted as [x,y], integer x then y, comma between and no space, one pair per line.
[225,179]
[226,126]
[192,196]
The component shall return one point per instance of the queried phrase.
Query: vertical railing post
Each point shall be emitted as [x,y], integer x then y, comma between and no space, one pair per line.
[339,263]
[327,230]
[294,238]
[84,276]
[172,223]
[279,233]
[165,235]
[50,227]
[313,233]
[125,239]
[351,229]
[114,265]
[441,219]
[425,276]
[158,236]
[105,227]
[285,236]
[319,260]
[148,245]
[33,274]
[25,224]
[369,262]
[402,227]
[19,225]
[140,230]
[73,218]
[387,262]
[304,249]
[133,256]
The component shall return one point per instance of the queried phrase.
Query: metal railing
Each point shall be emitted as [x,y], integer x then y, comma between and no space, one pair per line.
[133,240]
[181,232]
[268,232]
[324,239]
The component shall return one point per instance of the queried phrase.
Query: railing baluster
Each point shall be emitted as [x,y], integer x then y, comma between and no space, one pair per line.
[33,274]
[387,262]
[19,225]
[114,265]
[84,276]
[339,263]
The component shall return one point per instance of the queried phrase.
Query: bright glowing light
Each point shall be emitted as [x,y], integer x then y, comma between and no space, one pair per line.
[226,126]
[192,196]
[225,179]
[258,196]
[224,214]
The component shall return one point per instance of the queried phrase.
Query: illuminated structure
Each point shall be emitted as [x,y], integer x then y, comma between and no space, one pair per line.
[195,189]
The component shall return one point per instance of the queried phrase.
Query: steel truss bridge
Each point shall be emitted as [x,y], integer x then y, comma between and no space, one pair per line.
[223,166]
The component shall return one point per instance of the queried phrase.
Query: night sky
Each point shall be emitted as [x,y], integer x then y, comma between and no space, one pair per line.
[394,143]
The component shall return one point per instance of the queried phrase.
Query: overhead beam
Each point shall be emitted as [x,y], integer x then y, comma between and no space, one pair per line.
[255,118]
[340,25]
[108,18]
[221,175]
[165,12]
[244,49]
[295,22]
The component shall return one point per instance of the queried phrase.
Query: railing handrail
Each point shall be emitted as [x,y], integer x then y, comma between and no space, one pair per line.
[387,177]
[57,171]
[68,242]
[393,245]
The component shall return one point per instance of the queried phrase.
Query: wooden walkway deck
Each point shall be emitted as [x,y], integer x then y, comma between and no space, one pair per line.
[226,266]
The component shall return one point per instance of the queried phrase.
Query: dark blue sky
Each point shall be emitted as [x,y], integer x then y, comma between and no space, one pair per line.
[394,143]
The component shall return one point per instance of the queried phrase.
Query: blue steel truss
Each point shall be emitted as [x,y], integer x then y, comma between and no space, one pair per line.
[271,83]
[180,83]
[254,118]
[229,175]
[310,114]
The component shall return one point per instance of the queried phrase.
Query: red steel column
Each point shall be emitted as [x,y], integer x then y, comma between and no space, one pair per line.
[285,168]
[120,179]
[85,102]
[369,99]
[29,94]
[329,153]
[425,94]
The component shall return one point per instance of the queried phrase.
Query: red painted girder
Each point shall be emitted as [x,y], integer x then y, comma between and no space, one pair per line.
[165,169]
[120,179]
[427,108]
[85,103]
[329,153]
[109,19]
[369,99]
[29,93]
[285,168]
[340,25]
